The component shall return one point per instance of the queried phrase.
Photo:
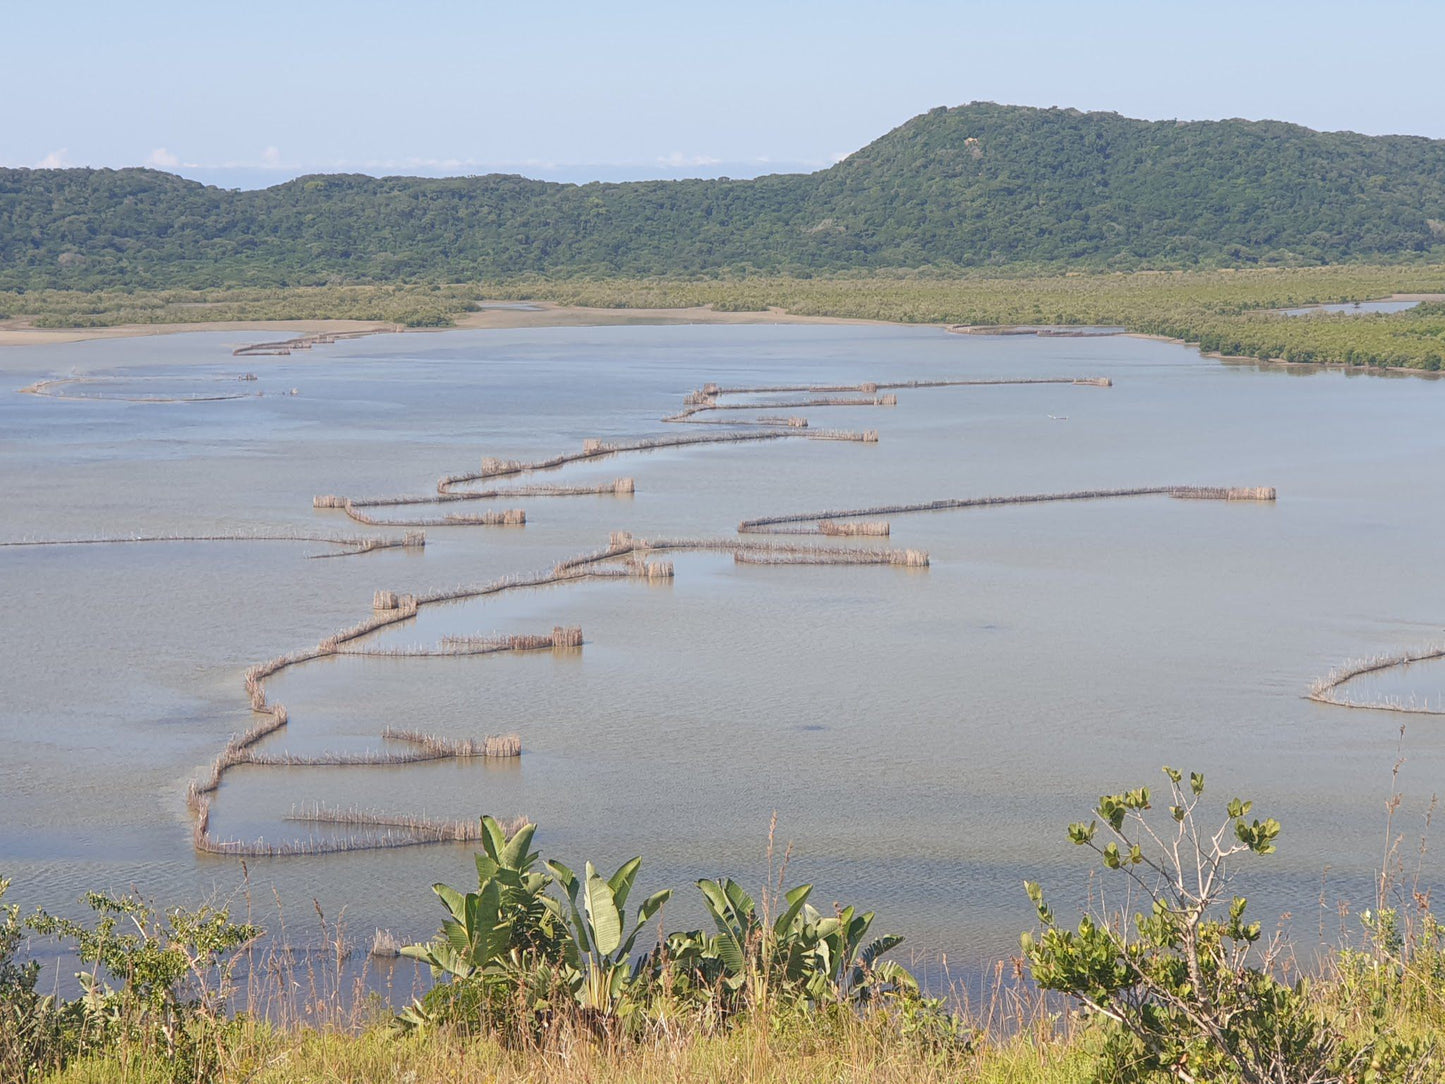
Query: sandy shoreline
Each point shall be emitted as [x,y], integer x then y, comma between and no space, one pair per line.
[551,314]
[545,314]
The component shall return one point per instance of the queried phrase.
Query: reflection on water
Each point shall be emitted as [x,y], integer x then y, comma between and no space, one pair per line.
[924,734]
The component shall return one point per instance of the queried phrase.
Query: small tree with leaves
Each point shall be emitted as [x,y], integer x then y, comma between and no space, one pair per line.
[1189,990]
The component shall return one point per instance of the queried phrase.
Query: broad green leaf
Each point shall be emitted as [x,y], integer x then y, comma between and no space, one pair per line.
[621,881]
[515,853]
[493,839]
[878,946]
[652,904]
[602,913]
[650,907]
[795,899]
[455,902]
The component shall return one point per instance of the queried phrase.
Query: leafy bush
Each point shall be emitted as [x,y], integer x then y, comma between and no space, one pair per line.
[1187,990]
[517,957]
[173,981]
[28,1022]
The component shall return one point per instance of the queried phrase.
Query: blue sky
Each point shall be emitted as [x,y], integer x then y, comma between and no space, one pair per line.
[252,93]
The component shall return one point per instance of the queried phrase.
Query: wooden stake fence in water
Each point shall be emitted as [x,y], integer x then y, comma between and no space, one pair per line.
[1327,690]
[350,545]
[770,524]
[624,557]
[391,607]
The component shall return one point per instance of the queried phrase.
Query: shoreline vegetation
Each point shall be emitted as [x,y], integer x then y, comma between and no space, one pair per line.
[536,978]
[1228,314]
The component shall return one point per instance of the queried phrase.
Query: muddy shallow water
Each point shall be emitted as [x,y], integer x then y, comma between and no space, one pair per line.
[924,735]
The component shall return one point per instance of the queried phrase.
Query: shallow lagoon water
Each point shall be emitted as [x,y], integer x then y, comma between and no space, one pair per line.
[924,735]
[1352,308]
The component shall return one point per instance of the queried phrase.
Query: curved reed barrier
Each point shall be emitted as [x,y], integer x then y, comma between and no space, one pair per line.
[355,507]
[625,557]
[689,410]
[596,448]
[772,427]
[1326,690]
[284,347]
[511,517]
[706,398]
[908,558]
[351,544]
[872,387]
[1223,493]
[443,830]
[562,639]
[785,524]
[616,487]
[47,389]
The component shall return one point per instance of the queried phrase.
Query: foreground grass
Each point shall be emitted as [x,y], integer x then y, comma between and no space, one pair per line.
[1226,312]
[803,1052]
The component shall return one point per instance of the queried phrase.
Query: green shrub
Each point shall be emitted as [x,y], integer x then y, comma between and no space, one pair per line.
[1185,989]
[156,985]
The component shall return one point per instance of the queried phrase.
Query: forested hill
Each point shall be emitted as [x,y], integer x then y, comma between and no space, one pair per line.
[976,186]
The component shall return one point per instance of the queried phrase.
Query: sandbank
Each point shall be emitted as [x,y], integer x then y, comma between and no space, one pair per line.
[541,314]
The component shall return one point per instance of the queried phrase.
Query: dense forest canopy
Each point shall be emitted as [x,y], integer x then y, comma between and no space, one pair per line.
[977,186]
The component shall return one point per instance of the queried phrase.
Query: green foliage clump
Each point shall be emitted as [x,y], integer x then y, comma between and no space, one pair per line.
[1186,990]
[157,986]
[518,957]
[978,186]
[28,1022]
[540,984]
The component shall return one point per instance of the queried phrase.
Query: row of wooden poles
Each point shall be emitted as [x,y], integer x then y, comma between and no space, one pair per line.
[879,394]
[873,387]
[494,468]
[1329,689]
[51,389]
[765,426]
[422,747]
[624,557]
[597,448]
[357,508]
[284,347]
[834,521]
[350,545]
[407,830]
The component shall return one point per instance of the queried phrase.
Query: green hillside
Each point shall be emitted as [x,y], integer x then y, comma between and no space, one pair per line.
[981,185]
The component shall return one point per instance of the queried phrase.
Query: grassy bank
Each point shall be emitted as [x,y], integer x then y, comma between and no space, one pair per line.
[539,980]
[847,1051]
[1226,312]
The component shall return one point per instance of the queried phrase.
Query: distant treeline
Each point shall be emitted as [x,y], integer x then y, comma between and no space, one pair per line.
[979,186]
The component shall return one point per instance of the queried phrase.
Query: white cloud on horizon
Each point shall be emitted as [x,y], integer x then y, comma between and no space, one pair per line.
[678,160]
[270,166]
